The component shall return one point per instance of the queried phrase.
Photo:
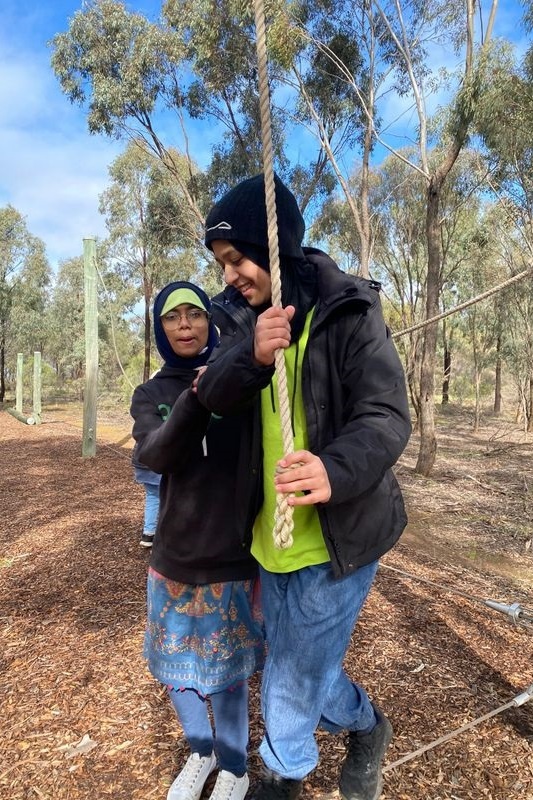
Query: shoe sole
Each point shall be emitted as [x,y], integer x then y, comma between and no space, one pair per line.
[146,544]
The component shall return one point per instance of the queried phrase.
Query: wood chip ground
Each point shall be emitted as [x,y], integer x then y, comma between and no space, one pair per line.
[82,719]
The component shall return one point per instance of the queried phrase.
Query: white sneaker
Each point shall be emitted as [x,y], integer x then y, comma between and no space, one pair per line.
[229,787]
[190,782]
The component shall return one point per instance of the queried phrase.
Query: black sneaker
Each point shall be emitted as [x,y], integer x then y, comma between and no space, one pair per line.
[361,772]
[274,787]
[147,540]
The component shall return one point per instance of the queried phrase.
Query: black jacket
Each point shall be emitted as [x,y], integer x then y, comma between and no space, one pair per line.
[355,401]
[199,537]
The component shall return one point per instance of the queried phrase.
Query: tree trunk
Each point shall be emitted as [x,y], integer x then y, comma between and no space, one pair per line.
[477,407]
[147,330]
[530,406]
[2,371]
[447,373]
[428,441]
[147,288]
[498,385]
[365,217]
[447,367]
[497,408]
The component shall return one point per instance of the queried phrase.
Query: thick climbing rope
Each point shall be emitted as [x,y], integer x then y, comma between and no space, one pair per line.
[283,522]
[514,279]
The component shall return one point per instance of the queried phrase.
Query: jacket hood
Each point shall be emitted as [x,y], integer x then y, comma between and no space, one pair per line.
[334,284]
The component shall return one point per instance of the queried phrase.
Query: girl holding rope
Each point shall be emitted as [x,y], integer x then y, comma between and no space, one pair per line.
[350,422]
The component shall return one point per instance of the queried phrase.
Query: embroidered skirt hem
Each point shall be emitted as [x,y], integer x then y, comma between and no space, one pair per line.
[207,637]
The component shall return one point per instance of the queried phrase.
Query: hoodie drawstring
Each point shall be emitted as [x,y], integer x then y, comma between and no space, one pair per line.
[294,388]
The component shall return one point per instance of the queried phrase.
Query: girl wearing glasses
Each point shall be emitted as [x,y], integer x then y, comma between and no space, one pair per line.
[204,635]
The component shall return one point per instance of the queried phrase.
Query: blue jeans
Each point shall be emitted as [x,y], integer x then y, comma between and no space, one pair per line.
[230,715]
[309,618]
[151,507]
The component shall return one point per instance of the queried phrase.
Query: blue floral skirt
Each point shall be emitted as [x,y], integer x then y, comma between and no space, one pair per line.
[207,637]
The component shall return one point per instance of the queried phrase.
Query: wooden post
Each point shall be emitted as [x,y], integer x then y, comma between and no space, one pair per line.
[37,408]
[91,349]
[20,383]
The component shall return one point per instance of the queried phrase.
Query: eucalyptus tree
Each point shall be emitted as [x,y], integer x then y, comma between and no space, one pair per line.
[338,72]
[394,52]
[397,205]
[24,277]
[399,257]
[124,69]
[65,325]
[504,120]
[150,241]
[219,84]
[514,312]
[438,21]
[517,347]
[152,80]
[480,320]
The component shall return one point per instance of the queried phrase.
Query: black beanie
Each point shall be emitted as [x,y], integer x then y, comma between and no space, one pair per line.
[240,215]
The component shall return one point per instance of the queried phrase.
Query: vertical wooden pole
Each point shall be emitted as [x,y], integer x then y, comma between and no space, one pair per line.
[20,383]
[91,349]
[37,387]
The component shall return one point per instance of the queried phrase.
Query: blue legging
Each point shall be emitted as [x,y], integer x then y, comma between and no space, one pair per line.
[230,716]
[151,507]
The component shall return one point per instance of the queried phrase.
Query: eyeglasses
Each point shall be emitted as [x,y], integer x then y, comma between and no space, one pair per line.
[172,319]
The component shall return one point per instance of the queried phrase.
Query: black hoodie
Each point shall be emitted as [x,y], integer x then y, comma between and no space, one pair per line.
[200,537]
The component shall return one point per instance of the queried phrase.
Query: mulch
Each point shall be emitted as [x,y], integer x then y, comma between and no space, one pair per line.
[81,717]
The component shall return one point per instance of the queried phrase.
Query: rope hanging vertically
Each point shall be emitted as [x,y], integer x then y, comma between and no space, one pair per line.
[283,523]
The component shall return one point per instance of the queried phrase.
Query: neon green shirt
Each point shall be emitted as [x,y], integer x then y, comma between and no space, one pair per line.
[309,547]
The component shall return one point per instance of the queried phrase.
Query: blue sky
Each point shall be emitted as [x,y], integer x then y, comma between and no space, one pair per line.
[51,169]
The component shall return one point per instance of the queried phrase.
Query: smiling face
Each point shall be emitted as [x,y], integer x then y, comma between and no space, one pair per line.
[187,329]
[251,281]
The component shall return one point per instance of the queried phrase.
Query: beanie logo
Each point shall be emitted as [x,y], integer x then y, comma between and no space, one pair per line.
[220,226]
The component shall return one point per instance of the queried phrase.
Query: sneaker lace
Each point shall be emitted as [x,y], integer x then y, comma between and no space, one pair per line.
[224,786]
[190,772]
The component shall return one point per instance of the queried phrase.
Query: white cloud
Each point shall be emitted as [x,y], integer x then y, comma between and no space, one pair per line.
[51,169]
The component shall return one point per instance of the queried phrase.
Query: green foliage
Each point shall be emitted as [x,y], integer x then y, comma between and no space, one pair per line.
[116,62]
[24,279]
[328,62]
[152,234]
[133,375]
[65,322]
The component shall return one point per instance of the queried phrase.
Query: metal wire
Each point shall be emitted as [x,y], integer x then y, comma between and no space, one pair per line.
[519,700]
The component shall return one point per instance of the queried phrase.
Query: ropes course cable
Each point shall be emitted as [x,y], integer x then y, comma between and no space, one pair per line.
[518,614]
[514,279]
[283,522]
[518,700]
[109,445]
